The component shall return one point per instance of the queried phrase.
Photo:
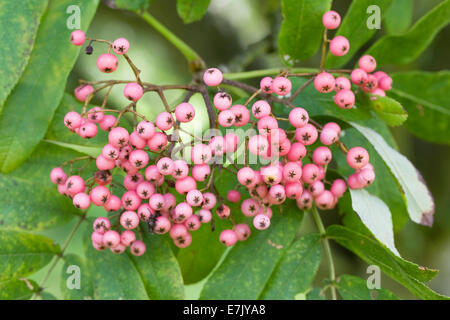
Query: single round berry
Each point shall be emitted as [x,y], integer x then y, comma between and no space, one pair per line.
[58,176]
[281,86]
[339,46]
[371,83]
[96,114]
[113,204]
[212,77]
[145,129]
[201,154]
[228,237]
[322,156]
[157,201]
[183,242]
[97,238]
[217,145]
[328,136]
[111,238]
[292,172]
[145,190]
[222,100]
[107,62]
[127,237]
[316,188]
[366,176]
[324,82]
[192,223]
[345,99]
[77,37]
[272,174]
[104,163]
[185,185]
[100,195]
[385,83]
[81,201]
[83,91]
[338,188]
[137,248]
[118,137]
[357,157]
[204,215]
[226,118]
[305,201]
[325,200]
[129,220]
[72,120]
[307,134]
[241,115]
[131,200]
[342,83]
[185,112]
[136,141]
[261,221]
[296,152]
[164,121]
[310,173]
[139,158]
[74,185]
[379,92]
[107,123]
[246,176]
[358,76]
[178,230]
[101,225]
[266,125]
[180,169]
[250,207]
[158,142]
[293,190]
[260,109]
[165,166]
[258,145]
[266,85]
[121,46]
[133,91]
[201,171]
[234,196]
[231,142]
[223,211]
[298,117]
[331,19]
[88,130]
[162,225]
[367,63]
[194,198]
[242,231]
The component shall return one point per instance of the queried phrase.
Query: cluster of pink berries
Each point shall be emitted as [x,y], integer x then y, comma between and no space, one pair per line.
[376,83]
[296,169]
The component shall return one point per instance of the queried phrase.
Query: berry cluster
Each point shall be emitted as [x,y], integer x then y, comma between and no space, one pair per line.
[177,195]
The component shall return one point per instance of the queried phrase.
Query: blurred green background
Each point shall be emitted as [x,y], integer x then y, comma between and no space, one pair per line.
[245,39]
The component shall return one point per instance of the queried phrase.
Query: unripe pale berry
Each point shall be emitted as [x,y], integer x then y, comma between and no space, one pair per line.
[357,157]
[107,62]
[77,37]
[261,221]
[331,19]
[121,46]
[324,82]
[164,121]
[222,100]
[212,77]
[133,91]
[228,237]
[339,46]
[367,63]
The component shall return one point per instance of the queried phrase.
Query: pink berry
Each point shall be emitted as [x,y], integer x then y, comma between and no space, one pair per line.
[246,176]
[306,135]
[107,123]
[339,46]
[332,125]
[133,91]
[298,117]
[185,112]
[367,63]
[258,145]
[357,157]
[310,173]
[328,136]
[212,77]
[162,225]
[101,225]
[180,169]
[183,242]
[234,196]
[296,152]
[345,99]
[152,173]
[231,142]
[104,163]
[325,200]
[118,137]
[137,248]
[316,188]
[158,142]
[241,115]
[228,237]
[209,201]
[156,201]
[371,83]
[165,166]
[58,176]
[97,238]
[110,152]
[111,238]
[107,62]
[322,156]
[77,37]
[194,198]
[223,211]
[81,201]
[130,200]
[272,174]
[277,191]
[222,100]
[261,109]
[217,145]
[266,124]
[331,19]
[366,176]
[204,215]
[145,129]
[192,223]
[95,114]
[178,230]
[185,185]
[305,201]
[242,231]
[354,182]
[324,82]
[385,83]
[201,154]
[88,130]
[83,91]
[72,120]
[119,249]
[139,158]
[250,207]
[127,237]
[293,190]
[342,83]
[100,195]
[129,220]
[261,221]
[164,121]
[281,86]
[145,189]
[226,118]
[379,92]
[292,172]
[136,141]
[358,76]
[266,85]
[144,212]
[338,188]
[113,204]
[121,46]
[74,185]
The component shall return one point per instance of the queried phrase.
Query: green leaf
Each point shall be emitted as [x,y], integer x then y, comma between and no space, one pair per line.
[419,201]
[405,48]
[398,17]
[192,10]
[132,4]
[115,275]
[301,30]
[355,288]
[72,265]
[406,273]
[376,216]
[22,254]
[388,109]
[19,21]
[29,200]
[248,266]
[47,296]
[425,97]
[354,28]
[296,269]
[159,270]
[30,106]
[17,289]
